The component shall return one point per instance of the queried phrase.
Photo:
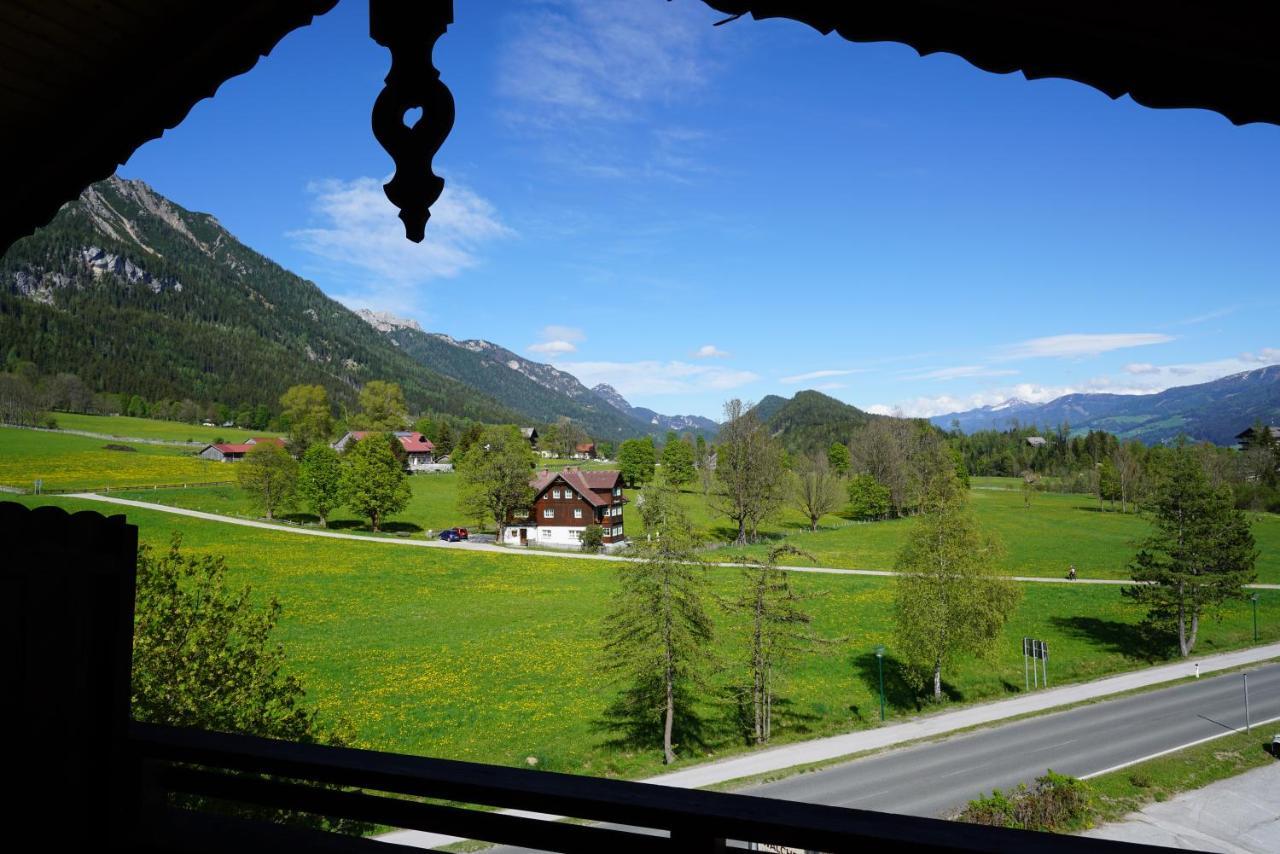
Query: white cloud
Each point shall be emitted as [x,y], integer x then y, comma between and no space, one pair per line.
[710,351]
[587,59]
[1082,344]
[1265,356]
[823,374]
[558,340]
[959,372]
[1136,378]
[656,377]
[361,250]
[554,348]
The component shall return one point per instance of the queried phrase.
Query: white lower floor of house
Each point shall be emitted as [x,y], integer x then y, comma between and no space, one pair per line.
[560,536]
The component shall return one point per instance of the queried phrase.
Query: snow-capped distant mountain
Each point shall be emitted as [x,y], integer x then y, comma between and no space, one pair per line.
[1214,411]
[679,423]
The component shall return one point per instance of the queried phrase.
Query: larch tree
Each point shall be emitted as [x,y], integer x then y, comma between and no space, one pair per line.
[949,598]
[373,479]
[320,485]
[493,476]
[816,489]
[1200,555]
[269,475]
[657,634]
[778,632]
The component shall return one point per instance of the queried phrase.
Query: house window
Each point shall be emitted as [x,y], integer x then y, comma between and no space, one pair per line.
[546,534]
[568,493]
[555,493]
[575,535]
[577,512]
[617,490]
[548,513]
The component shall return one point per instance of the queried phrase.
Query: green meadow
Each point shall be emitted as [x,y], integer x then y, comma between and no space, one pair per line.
[1042,539]
[496,658]
[66,461]
[126,427]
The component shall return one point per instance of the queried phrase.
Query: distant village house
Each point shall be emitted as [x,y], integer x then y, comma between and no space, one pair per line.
[419,450]
[564,504]
[584,451]
[1245,438]
[1035,441]
[530,435]
[225,452]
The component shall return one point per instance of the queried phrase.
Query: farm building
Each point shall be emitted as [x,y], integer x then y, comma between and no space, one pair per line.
[564,504]
[419,450]
[230,452]
[584,451]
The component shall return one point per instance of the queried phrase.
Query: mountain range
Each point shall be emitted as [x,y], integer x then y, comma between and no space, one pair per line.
[1214,411]
[136,294]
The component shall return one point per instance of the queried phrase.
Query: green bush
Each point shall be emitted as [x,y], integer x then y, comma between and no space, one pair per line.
[1055,803]
[592,539]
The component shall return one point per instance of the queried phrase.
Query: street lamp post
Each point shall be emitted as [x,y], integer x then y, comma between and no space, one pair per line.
[880,667]
[1254,600]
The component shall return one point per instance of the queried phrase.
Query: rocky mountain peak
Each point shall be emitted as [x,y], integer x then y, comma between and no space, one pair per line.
[385,321]
[610,395]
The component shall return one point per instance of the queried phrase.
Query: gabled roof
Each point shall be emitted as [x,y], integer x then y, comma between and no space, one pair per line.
[585,447]
[258,440]
[413,442]
[230,448]
[586,483]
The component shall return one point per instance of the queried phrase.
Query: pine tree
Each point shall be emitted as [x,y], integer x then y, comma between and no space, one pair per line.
[1200,556]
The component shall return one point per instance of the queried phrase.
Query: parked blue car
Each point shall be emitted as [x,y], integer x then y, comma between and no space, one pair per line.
[449,535]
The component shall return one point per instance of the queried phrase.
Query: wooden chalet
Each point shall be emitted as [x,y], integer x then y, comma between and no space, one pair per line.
[564,504]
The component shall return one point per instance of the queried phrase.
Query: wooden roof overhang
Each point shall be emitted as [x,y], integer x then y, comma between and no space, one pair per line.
[84,83]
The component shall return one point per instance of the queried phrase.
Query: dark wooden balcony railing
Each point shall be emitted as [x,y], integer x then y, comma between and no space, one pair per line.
[90,779]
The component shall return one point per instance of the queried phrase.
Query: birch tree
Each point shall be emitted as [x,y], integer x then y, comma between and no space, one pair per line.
[949,599]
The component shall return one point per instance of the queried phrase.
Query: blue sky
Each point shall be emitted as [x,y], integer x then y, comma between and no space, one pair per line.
[693,213]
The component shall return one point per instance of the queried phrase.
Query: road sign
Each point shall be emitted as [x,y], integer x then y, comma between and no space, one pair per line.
[1033,651]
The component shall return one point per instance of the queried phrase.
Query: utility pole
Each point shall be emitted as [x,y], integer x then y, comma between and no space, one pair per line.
[880,666]
[1254,600]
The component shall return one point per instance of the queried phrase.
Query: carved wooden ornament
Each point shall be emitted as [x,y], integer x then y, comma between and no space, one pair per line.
[409,29]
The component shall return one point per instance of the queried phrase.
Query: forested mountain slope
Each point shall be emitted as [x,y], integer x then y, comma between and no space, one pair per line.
[137,295]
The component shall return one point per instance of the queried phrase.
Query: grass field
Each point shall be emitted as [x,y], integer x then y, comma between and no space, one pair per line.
[1041,540]
[123,426]
[496,657]
[66,461]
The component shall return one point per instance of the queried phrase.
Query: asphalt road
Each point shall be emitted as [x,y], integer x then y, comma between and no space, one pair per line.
[933,779]
[937,778]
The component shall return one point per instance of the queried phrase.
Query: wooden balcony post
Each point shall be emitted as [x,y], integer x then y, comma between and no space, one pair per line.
[66,618]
